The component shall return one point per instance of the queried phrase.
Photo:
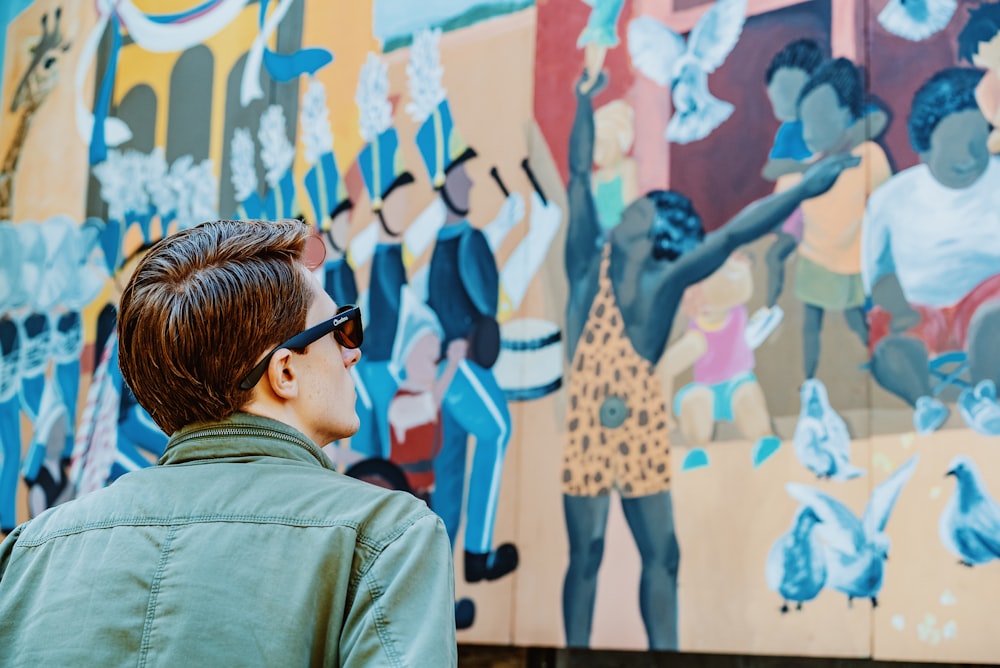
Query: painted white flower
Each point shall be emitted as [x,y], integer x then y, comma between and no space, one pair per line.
[424,74]
[122,176]
[276,152]
[314,117]
[197,191]
[161,194]
[372,98]
[204,187]
[242,164]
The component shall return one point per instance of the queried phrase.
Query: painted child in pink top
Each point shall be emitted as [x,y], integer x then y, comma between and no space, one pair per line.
[725,388]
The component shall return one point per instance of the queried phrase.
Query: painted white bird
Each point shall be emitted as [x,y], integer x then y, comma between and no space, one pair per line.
[916,20]
[856,549]
[821,440]
[666,58]
[970,524]
[796,564]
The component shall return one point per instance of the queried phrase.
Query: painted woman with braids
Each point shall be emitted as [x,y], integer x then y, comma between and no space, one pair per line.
[622,302]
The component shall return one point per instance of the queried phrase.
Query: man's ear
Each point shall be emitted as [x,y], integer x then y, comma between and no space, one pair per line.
[281,375]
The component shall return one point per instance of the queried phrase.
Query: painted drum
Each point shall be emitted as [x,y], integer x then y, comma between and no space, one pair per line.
[530,364]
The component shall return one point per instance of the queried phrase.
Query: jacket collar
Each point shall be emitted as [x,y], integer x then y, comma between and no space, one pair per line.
[241,435]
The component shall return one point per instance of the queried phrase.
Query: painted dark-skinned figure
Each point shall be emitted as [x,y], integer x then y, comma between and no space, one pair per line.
[463,290]
[931,259]
[979,44]
[786,76]
[622,303]
[831,107]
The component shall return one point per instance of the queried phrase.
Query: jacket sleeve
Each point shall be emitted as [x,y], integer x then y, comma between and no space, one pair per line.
[404,611]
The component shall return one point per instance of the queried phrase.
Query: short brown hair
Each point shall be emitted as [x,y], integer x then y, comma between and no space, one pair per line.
[202,307]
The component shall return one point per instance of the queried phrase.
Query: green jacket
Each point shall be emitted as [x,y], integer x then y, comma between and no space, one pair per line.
[242,548]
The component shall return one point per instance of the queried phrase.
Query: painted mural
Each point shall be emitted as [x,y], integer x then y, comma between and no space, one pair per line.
[681,314]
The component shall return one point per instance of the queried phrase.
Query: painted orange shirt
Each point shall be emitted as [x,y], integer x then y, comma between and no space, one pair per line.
[832,222]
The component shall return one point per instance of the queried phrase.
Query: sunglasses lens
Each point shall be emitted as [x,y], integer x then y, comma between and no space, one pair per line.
[313,253]
[350,334]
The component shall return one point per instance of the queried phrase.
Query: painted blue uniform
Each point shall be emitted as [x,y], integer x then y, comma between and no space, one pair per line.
[10,421]
[388,276]
[463,286]
[339,283]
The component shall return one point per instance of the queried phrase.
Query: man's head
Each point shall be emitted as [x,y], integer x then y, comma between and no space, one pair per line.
[947,129]
[787,74]
[206,304]
[830,103]
[979,41]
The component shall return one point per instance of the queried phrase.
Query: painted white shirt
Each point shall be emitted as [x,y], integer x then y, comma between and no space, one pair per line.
[940,242]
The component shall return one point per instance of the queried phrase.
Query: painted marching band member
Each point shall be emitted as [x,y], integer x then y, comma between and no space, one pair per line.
[328,196]
[72,277]
[385,177]
[463,291]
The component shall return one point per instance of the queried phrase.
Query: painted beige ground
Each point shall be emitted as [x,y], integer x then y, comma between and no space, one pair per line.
[728,516]
[934,608]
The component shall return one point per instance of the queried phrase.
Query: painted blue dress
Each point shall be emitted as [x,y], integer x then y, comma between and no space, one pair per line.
[602,24]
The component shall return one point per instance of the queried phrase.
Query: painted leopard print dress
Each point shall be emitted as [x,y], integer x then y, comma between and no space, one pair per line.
[616,434]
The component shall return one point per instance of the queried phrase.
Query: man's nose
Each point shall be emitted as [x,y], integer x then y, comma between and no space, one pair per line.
[351,356]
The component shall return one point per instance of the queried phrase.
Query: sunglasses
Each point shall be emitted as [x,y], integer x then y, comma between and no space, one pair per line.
[345,326]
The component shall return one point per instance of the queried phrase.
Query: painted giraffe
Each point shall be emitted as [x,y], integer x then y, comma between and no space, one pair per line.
[36,84]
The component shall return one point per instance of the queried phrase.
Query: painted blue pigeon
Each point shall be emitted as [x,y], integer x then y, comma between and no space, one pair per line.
[856,549]
[970,524]
[796,565]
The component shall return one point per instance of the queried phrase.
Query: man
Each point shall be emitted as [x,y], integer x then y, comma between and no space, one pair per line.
[242,547]
[931,257]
